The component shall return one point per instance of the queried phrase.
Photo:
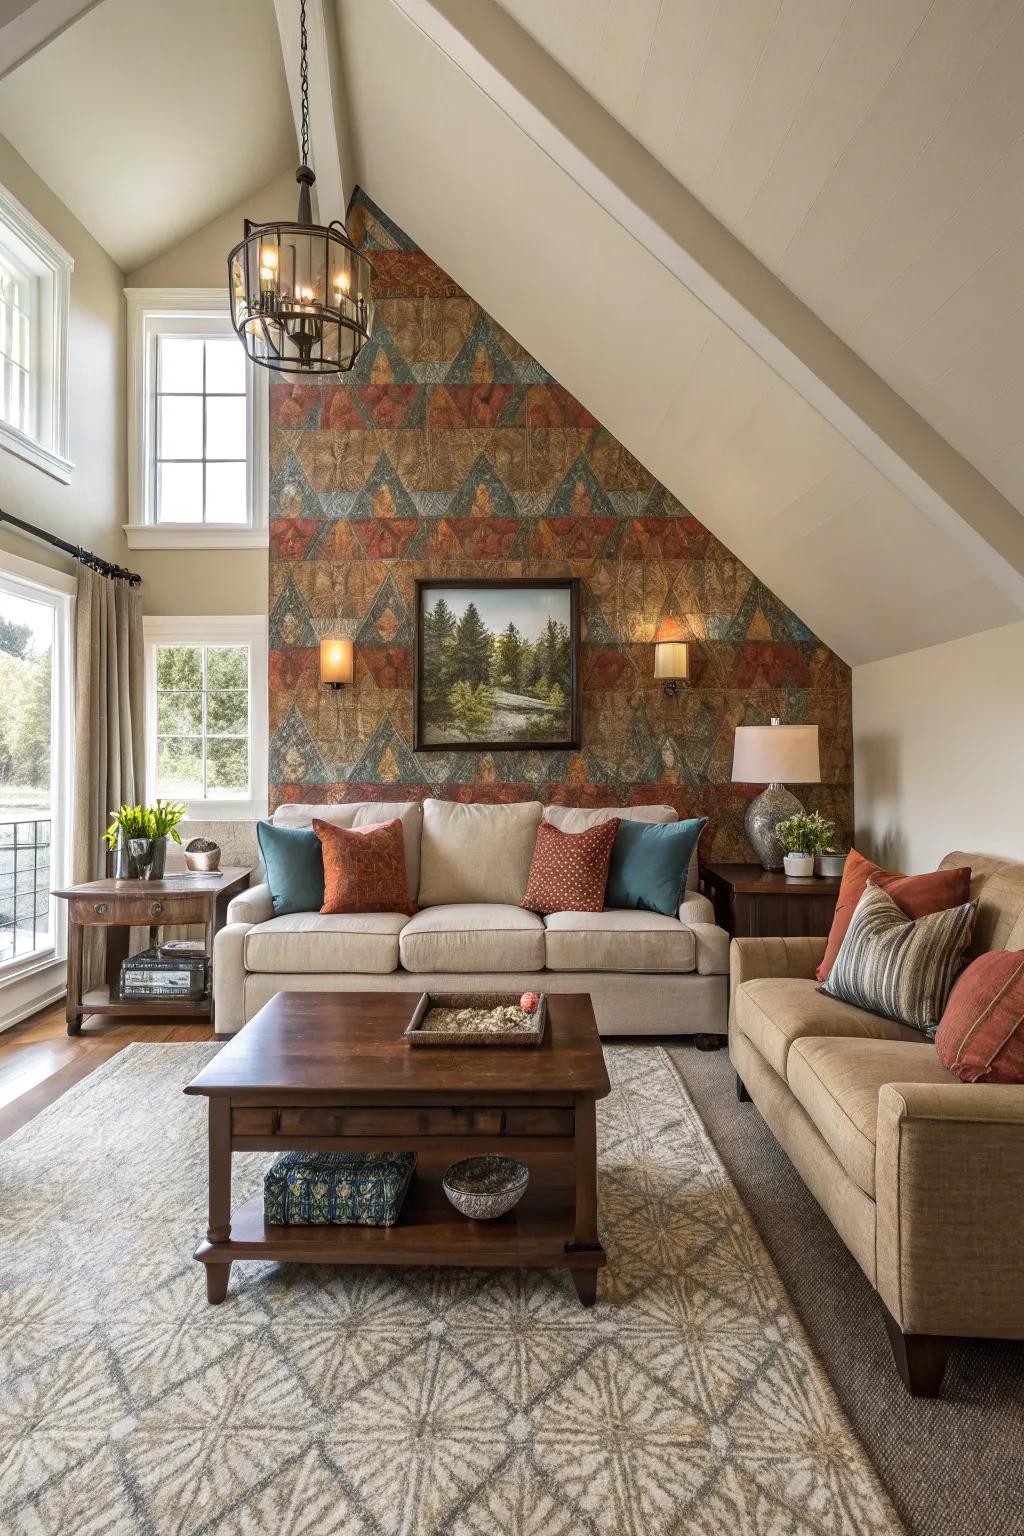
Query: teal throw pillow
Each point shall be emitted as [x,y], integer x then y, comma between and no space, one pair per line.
[649,864]
[294,860]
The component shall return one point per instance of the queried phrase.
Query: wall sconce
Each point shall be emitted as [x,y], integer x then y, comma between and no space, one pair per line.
[671,655]
[336,661]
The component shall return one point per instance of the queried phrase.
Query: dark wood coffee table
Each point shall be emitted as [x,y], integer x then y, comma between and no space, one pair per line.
[328,1071]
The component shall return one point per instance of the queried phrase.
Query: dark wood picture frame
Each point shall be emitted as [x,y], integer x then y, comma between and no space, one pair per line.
[568,584]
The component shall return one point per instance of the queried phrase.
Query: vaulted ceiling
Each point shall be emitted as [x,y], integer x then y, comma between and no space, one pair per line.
[772,244]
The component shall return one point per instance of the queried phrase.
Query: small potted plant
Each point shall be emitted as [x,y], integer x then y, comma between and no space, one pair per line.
[138,835]
[802,837]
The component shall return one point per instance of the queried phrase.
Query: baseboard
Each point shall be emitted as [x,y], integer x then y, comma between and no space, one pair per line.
[26,995]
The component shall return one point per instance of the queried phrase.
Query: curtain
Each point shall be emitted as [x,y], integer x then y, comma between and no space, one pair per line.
[109,727]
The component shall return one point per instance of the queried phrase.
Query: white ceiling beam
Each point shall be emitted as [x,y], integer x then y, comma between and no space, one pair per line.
[328,126]
[603,158]
[28,25]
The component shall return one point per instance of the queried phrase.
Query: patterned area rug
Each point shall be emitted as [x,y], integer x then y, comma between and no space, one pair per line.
[319,1402]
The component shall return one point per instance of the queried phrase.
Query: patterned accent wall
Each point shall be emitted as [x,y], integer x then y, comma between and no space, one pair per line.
[449,451]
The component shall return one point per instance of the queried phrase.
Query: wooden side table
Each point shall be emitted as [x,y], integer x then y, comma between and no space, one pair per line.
[120,905]
[751,902]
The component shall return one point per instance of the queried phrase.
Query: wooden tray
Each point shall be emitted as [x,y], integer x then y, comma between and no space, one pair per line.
[416,1035]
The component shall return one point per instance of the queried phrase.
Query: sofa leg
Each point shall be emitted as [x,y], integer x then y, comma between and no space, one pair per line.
[920,1358]
[709,1042]
[741,1090]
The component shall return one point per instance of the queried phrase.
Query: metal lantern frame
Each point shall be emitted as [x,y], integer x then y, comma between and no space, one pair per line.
[301,293]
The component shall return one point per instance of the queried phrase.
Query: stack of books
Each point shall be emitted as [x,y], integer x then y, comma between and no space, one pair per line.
[177,969]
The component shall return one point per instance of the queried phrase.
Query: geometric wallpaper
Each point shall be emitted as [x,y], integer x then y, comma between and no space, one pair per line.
[449,451]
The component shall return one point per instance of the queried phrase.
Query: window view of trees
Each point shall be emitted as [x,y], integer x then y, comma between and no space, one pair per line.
[202,721]
[26,660]
[510,682]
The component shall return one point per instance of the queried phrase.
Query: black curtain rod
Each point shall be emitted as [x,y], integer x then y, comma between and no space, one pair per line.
[83,556]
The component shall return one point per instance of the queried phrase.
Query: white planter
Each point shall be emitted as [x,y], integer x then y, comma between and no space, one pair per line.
[799,864]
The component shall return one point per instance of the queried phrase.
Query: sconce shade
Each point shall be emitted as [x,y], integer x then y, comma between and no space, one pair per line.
[776,754]
[671,659]
[336,662]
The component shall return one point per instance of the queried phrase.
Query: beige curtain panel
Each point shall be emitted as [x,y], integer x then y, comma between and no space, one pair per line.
[109,727]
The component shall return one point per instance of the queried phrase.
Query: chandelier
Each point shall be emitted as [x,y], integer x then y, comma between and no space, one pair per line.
[300,293]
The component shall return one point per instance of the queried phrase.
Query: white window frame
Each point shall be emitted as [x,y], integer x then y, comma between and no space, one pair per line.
[216,629]
[28,982]
[153,312]
[50,266]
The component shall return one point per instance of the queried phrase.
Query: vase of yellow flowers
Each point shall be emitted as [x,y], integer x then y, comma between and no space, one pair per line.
[138,836]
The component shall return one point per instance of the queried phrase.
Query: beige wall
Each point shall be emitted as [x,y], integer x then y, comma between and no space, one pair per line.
[92,508]
[219,580]
[938,749]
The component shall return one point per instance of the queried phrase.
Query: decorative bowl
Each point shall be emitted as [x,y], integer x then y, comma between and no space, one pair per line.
[485,1187]
[201,856]
[832,864]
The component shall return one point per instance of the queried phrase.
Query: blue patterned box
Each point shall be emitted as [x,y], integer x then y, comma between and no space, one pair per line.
[343,1189]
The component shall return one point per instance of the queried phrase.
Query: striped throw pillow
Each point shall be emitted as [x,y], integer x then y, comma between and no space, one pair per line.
[899,966]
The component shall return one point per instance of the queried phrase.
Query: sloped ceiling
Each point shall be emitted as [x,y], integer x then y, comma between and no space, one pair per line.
[149,117]
[870,154]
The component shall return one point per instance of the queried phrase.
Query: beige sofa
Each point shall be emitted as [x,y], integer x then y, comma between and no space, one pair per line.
[922,1175]
[468,867]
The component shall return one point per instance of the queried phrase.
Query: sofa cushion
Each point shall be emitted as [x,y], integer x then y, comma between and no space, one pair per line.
[618,941]
[363,813]
[998,886]
[773,1011]
[476,853]
[294,862]
[356,943]
[650,864]
[837,1082]
[576,818]
[570,869]
[473,936]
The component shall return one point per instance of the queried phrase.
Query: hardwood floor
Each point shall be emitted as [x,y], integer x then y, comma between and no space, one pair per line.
[39,1060]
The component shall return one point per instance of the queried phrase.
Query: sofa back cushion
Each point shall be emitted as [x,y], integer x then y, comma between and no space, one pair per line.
[476,852]
[574,818]
[365,813]
[998,887]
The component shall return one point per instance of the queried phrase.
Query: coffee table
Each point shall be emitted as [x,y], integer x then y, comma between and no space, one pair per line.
[328,1071]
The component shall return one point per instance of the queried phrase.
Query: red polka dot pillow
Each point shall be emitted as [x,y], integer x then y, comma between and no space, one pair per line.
[569,872]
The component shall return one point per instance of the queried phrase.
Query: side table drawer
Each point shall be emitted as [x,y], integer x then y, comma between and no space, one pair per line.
[391,1121]
[137,910]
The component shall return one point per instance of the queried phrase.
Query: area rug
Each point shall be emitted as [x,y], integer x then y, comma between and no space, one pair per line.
[318,1401]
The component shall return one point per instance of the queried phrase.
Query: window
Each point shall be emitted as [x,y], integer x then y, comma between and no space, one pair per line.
[206,706]
[35,745]
[35,288]
[197,425]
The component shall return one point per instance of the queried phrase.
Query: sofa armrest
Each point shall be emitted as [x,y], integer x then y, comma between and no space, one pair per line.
[949,1184]
[752,959]
[252,906]
[229,978]
[711,942]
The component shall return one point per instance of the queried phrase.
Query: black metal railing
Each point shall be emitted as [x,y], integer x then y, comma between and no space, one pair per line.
[24,888]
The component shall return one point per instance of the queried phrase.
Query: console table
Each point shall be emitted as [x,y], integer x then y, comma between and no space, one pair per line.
[120,905]
[751,902]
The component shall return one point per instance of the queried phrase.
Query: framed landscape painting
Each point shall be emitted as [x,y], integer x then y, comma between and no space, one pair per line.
[497,665]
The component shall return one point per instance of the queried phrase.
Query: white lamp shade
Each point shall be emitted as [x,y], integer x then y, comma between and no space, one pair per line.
[671,659]
[776,754]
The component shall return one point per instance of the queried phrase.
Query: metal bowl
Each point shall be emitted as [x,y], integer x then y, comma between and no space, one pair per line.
[202,863]
[486,1187]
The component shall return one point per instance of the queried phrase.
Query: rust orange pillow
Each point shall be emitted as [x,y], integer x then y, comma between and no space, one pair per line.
[916,895]
[981,1033]
[364,868]
[569,872]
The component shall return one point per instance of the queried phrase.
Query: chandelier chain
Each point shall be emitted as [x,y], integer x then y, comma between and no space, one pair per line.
[304,78]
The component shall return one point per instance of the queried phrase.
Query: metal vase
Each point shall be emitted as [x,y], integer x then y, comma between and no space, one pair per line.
[772,805]
[146,857]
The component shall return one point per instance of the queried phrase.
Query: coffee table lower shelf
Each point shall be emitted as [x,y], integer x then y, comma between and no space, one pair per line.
[538,1234]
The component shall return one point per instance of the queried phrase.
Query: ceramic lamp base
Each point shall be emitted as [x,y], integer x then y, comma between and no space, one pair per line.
[771,806]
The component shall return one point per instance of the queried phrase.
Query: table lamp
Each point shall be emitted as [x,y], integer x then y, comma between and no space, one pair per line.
[775,755]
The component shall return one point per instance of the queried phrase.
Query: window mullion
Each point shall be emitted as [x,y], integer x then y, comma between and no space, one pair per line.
[206,787]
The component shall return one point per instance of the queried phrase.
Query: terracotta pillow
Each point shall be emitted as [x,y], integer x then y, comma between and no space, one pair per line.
[569,872]
[916,895]
[364,868]
[981,1032]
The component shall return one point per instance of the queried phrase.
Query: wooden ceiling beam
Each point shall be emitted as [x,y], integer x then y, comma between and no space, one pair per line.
[28,25]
